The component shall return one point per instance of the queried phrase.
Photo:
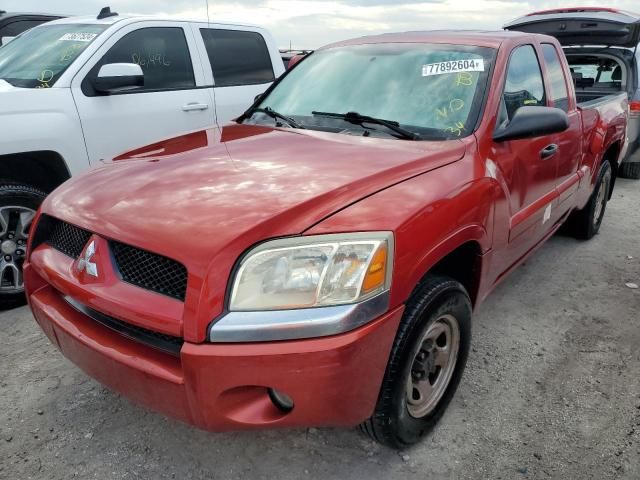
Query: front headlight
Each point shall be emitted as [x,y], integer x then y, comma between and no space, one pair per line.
[315,271]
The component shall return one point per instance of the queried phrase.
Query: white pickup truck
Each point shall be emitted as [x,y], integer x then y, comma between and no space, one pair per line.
[76,92]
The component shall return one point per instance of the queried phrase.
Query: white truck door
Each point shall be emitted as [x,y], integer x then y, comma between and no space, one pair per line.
[171,102]
[241,66]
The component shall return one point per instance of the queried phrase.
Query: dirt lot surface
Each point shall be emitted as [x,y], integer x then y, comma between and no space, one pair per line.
[552,390]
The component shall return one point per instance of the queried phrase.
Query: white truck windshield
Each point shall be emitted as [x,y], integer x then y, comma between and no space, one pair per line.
[37,58]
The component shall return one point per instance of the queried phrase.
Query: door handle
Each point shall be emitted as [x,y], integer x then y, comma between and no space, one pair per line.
[548,151]
[190,107]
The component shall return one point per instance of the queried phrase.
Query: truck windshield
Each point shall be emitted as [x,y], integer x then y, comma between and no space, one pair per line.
[37,58]
[434,91]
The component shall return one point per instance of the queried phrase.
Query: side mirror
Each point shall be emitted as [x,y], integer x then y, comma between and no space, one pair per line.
[5,40]
[529,122]
[118,77]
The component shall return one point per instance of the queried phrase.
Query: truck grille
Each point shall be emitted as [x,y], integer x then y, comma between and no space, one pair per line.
[67,238]
[149,270]
[136,266]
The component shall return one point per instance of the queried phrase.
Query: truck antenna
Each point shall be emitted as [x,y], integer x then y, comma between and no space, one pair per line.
[106,13]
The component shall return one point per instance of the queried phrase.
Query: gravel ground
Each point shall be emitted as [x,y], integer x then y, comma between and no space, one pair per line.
[552,390]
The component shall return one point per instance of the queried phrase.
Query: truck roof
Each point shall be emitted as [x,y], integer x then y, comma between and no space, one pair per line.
[480,38]
[127,19]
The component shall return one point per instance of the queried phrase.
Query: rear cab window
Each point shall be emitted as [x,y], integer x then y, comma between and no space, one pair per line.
[595,72]
[161,52]
[237,57]
[558,94]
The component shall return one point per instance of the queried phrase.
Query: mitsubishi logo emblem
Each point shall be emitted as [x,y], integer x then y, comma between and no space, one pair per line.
[85,263]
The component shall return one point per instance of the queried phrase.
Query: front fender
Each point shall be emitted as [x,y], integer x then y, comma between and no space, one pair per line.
[42,120]
[431,215]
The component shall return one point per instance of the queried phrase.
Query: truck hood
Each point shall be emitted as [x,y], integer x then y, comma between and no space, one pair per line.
[217,192]
[583,26]
[16,102]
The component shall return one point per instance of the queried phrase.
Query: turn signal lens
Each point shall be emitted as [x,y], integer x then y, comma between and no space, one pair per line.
[377,271]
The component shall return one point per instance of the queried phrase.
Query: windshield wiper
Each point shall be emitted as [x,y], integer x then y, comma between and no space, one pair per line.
[277,116]
[358,119]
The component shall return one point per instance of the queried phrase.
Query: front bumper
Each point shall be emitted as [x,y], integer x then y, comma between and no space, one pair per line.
[333,381]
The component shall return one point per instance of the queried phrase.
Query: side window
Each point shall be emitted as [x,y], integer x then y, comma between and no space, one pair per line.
[523,85]
[558,93]
[163,54]
[237,57]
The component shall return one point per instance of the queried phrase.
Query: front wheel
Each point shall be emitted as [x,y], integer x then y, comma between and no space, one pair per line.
[18,205]
[426,363]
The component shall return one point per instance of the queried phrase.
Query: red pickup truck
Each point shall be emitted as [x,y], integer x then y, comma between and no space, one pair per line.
[317,261]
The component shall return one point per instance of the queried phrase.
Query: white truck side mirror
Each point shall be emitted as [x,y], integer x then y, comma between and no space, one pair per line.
[118,77]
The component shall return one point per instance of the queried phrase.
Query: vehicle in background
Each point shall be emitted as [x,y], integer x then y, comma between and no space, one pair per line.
[288,55]
[78,91]
[13,24]
[316,263]
[601,45]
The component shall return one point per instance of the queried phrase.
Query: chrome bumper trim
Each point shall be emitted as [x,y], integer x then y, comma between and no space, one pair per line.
[268,326]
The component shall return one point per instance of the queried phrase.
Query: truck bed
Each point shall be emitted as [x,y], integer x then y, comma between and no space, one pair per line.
[596,99]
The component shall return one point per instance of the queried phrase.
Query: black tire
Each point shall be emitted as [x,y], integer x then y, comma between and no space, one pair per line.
[25,197]
[583,224]
[391,423]
[630,170]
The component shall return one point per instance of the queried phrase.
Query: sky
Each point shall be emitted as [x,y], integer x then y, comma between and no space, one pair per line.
[313,23]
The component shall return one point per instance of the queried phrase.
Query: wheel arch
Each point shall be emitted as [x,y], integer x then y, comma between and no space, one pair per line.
[612,155]
[459,258]
[44,169]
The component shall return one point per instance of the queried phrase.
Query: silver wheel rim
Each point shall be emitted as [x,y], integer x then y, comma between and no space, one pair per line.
[601,199]
[14,233]
[433,366]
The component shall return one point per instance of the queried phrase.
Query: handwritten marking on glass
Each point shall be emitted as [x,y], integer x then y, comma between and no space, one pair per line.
[44,78]
[152,59]
[464,79]
[455,105]
[69,53]
[456,129]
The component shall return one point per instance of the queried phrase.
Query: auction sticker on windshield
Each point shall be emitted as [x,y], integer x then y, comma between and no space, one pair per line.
[453,66]
[78,37]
